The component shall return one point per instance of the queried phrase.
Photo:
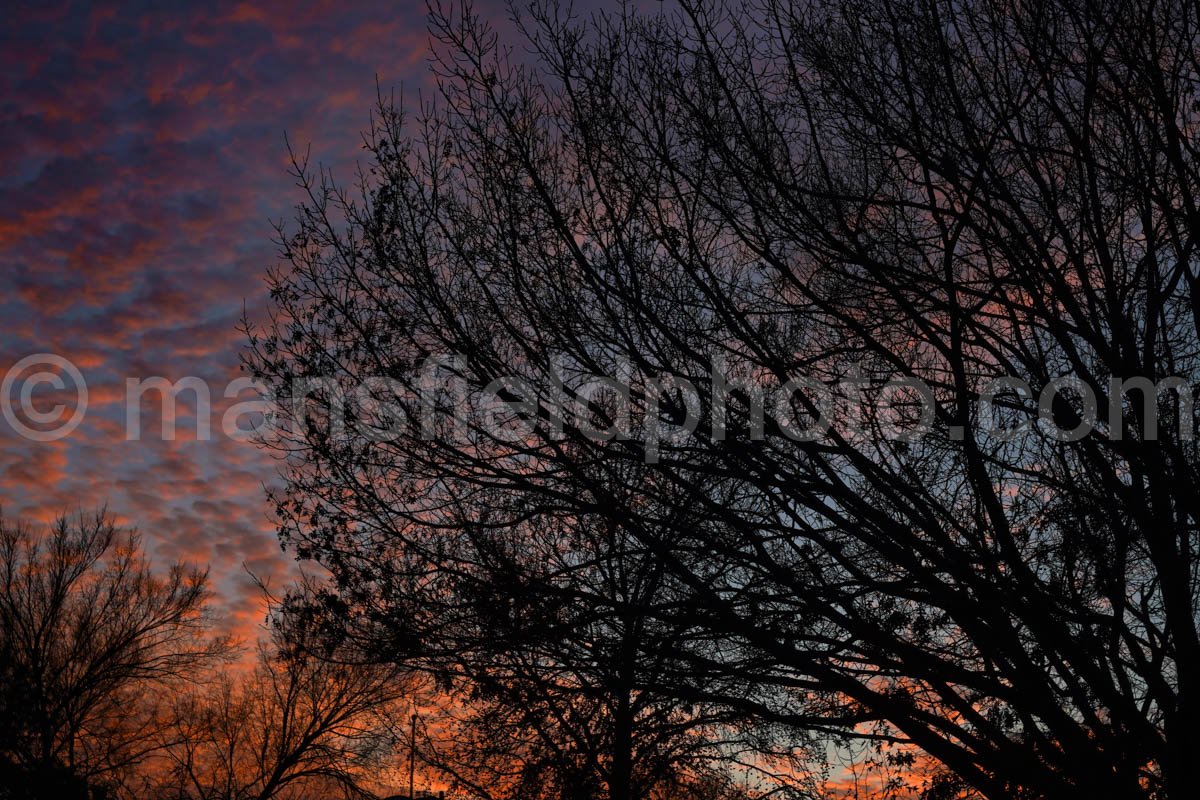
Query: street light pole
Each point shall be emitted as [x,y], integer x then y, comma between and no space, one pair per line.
[412,757]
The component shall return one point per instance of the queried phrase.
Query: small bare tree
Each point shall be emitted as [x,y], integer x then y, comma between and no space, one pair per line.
[301,721]
[86,627]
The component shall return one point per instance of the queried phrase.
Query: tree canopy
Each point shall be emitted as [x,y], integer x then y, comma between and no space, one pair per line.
[776,290]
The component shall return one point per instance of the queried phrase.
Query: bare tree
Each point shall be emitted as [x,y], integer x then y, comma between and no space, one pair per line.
[561,680]
[88,635]
[300,723]
[785,198]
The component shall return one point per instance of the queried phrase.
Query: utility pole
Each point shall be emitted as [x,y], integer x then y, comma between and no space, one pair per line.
[412,757]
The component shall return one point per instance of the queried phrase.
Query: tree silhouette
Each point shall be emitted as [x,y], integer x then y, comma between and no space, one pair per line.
[808,200]
[561,679]
[86,630]
[300,723]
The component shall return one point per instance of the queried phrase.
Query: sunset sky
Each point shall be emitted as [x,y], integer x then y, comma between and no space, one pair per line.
[718,400]
[142,162]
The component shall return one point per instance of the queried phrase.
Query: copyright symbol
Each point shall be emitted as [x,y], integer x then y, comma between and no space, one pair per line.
[44,369]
